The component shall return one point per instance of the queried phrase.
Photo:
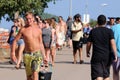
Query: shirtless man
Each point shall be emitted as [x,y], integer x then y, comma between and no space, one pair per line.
[61,31]
[34,50]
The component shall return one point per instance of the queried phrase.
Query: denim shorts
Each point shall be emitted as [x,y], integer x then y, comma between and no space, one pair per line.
[11,40]
[20,42]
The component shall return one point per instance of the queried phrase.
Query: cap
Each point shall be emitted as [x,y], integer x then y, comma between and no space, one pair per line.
[111,17]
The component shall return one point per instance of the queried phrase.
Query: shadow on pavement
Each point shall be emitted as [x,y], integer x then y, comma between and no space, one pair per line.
[10,67]
[61,62]
[70,62]
[87,63]
[7,65]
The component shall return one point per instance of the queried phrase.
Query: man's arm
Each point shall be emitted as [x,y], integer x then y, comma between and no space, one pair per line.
[18,36]
[88,46]
[113,45]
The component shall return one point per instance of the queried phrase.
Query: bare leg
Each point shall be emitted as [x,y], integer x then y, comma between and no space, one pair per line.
[115,75]
[107,78]
[16,52]
[99,78]
[80,55]
[75,56]
[53,53]
[35,75]
[47,53]
[70,42]
[20,52]
[29,78]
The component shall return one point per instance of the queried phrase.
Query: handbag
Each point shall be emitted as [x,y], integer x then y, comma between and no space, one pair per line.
[45,73]
[80,43]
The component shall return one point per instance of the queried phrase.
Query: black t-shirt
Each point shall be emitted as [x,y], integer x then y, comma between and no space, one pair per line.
[100,37]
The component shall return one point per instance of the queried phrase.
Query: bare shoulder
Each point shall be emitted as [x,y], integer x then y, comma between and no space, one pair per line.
[37,29]
[22,30]
[57,26]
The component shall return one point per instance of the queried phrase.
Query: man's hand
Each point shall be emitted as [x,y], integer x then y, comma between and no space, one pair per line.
[13,57]
[115,60]
[45,60]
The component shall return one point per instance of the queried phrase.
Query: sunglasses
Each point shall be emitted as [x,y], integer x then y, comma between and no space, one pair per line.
[44,22]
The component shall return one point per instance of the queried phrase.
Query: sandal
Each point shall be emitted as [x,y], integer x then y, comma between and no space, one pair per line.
[81,61]
[18,67]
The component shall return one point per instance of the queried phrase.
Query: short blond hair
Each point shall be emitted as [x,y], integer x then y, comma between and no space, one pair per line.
[29,13]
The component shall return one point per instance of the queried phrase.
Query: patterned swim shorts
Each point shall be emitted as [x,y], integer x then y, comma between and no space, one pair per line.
[32,62]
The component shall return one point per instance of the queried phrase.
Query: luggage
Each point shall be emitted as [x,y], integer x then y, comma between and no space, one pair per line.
[45,73]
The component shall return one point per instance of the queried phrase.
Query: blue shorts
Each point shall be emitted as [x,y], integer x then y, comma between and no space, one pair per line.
[20,42]
[11,40]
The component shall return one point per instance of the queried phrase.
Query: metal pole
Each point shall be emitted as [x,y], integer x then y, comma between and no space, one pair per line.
[86,7]
[70,11]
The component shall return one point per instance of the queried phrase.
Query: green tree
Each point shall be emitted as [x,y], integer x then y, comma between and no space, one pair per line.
[47,15]
[93,23]
[13,8]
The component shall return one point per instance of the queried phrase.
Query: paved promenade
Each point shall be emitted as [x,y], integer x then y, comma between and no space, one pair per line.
[63,69]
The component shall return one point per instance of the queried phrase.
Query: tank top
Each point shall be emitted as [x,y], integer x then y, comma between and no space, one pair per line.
[47,36]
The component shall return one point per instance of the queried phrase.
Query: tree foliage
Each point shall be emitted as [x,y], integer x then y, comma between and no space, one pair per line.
[47,15]
[10,7]
[93,23]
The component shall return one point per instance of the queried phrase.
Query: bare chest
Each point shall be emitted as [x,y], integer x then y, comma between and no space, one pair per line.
[31,34]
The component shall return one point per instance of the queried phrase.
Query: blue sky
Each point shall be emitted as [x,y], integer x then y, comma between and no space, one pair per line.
[61,8]
[78,6]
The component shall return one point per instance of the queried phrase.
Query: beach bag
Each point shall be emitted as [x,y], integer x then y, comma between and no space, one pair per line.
[45,73]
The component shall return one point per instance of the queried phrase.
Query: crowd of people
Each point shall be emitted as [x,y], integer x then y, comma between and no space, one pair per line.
[35,41]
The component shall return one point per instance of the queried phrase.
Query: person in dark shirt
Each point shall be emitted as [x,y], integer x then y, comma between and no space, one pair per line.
[103,41]
[69,32]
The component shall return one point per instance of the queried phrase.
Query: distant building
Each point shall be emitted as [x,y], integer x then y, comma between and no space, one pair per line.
[4,35]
